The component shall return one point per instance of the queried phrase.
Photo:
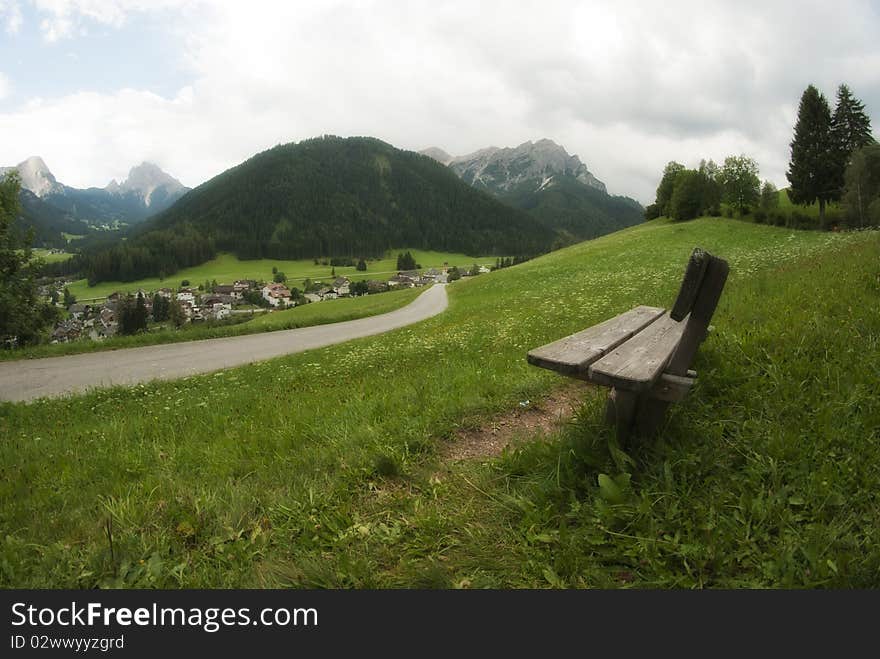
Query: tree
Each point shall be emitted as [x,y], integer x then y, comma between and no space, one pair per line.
[175,313]
[850,131]
[69,298]
[361,266]
[161,308]
[359,288]
[712,190]
[861,194]
[22,314]
[453,274]
[740,182]
[812,165]
[667,187]
[406,262]
[132,314]
[279,277]
[769,196]
[687,195]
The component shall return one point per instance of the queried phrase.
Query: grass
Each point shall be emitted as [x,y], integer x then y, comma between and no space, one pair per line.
[324,469]
[49,257]
[319,313]
[226,268]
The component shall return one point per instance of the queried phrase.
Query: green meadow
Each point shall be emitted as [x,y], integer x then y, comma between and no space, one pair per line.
[226,268]
[319,313]
[328,468]
[49,257]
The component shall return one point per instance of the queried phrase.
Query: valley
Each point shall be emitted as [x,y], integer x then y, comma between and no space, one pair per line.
[327,468]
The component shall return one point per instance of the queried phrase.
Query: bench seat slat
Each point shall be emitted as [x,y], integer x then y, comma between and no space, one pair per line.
[574,354]
[637,364]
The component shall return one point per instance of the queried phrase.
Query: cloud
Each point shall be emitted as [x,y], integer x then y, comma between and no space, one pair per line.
[4,86]
[10,15]
[624,85]
[65,18]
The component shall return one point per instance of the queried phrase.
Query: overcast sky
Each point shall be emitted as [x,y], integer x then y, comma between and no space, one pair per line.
[97,86]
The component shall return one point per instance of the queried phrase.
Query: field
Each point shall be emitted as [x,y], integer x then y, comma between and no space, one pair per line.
[49,257]
[319,313]
[331,468]
[226,268]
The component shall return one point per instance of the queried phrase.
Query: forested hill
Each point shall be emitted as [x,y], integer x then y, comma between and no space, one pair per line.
[327,196]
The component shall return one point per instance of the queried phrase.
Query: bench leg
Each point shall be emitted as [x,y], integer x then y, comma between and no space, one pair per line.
[620,412]
[650,416]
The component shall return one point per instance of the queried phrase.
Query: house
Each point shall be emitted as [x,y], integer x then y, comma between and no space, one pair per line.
[211,299]
[219,310]
[228,290]
[79,311]
[341,286]
[278,295]
[242,285]
[167,293]
[107,315]
[68,330]
[401,281]
[185,295]
[376,286]
[311,297]
[483,269]
[326,293]
[425,281]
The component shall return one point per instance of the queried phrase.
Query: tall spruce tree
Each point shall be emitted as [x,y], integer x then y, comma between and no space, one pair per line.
[812,166]
[23,314]
[850,131]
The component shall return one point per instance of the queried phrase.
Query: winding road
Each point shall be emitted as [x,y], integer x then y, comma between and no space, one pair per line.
[29,379]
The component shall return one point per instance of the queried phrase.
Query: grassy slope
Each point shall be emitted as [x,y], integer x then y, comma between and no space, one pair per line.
[320,313]
[226,268]
[269,475]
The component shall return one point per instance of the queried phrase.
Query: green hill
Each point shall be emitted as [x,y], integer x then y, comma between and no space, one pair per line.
[328,196]
[331,468]
[578,210]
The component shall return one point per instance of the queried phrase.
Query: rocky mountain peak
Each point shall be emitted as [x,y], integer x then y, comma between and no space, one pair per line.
[35,176]
[144,180]
[531,164]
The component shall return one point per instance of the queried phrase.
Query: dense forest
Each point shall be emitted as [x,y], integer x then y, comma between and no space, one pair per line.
[575,209]
[326,196]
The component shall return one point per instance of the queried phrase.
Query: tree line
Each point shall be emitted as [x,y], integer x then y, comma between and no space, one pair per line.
[833,158]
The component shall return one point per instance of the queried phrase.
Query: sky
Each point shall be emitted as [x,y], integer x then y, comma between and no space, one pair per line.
[95,87]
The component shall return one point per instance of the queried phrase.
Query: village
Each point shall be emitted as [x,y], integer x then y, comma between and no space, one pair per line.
[100,319]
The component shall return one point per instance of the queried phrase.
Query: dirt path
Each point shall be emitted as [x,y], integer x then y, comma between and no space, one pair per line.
[521,424]
[29,379]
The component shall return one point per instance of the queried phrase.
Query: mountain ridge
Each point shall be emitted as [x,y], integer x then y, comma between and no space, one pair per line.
[51,208]
[543,179]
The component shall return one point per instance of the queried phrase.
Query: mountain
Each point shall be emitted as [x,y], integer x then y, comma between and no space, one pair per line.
[35,177]
[48,204]
[327,196]
[155,189]
[543,179]
[47,222]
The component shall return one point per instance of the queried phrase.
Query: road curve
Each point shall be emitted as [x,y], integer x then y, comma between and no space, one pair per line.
[29,379]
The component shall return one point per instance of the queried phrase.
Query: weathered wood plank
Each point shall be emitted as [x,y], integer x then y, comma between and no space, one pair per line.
[701,314]
[573,354]
[671,388]
[637,364]
[690,284]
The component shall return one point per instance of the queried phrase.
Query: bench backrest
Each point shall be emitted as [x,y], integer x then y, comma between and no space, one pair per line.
[698,296]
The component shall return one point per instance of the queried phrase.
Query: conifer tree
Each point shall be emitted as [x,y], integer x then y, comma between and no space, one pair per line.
[811,169]
[850,131]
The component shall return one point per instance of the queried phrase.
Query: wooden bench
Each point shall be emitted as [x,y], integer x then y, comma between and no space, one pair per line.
[644,355]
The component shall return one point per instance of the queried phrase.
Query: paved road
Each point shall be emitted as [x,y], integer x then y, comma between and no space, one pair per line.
[28,379]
